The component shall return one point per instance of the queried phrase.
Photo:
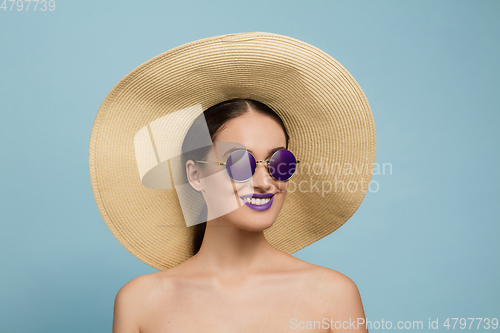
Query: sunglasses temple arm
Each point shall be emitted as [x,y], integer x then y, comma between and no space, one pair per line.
[208,162]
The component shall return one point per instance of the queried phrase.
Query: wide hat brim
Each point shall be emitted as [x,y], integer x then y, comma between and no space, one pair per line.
[331,128]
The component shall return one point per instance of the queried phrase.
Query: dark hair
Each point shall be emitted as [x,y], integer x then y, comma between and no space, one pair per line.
[216,117]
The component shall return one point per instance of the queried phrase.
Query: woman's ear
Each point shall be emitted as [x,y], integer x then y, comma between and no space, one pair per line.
[193,176]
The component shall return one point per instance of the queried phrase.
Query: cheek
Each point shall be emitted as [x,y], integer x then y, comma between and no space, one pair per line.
[283,186]
[220,195]
[218,189]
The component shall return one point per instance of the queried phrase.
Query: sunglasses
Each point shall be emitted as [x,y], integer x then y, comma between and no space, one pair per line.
[241,165]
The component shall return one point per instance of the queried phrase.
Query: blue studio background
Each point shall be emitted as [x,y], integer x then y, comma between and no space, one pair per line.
[425,245]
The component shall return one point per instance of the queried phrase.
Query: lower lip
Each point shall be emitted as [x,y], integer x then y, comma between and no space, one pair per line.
[260,207]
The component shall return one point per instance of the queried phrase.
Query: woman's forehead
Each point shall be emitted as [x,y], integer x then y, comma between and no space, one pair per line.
[255,131]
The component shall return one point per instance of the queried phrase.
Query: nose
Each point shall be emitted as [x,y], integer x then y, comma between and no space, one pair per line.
[262,179]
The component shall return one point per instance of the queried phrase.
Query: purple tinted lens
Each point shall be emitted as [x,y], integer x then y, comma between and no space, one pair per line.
[282,165]
[241,165]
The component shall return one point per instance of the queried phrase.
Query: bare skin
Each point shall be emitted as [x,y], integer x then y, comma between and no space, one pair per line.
[238,282]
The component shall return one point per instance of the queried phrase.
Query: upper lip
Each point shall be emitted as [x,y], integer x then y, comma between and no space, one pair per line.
[257,196]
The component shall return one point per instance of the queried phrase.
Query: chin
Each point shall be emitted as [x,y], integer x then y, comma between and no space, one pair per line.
[258,224]
[247,219]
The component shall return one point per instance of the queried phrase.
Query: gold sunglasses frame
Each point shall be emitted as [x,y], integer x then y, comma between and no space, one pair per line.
[265,161]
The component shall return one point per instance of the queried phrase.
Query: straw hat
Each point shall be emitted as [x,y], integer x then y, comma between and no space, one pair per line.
[331,128]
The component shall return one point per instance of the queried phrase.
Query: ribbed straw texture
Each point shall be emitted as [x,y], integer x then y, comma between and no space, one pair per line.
[324,109]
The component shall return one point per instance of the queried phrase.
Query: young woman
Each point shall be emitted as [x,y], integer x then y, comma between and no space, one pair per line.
[234,272]
[238,282]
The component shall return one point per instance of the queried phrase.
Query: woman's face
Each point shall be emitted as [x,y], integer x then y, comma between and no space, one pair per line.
[261,135]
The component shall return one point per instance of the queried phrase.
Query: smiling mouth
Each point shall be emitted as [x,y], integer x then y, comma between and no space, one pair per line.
[258,202]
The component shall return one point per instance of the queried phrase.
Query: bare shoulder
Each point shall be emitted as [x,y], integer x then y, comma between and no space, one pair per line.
[326,277]
[337,289]
[130,303]
[335,282]
[340,299]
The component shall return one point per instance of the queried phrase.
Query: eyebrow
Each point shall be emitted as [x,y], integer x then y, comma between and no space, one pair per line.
[271,152]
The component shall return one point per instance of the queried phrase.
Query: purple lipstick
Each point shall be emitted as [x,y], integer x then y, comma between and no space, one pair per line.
[261,197]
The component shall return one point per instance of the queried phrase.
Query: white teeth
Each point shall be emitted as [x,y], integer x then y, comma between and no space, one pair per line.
[257,202]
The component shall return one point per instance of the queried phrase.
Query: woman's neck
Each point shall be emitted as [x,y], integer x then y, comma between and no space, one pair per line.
[230,251]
